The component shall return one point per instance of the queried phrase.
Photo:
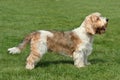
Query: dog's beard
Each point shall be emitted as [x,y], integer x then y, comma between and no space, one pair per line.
[101,30]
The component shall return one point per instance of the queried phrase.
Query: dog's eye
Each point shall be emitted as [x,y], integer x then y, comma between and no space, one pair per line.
[97,18]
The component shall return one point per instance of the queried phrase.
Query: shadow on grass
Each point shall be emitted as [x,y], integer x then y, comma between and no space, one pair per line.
[97,61]
[47,63]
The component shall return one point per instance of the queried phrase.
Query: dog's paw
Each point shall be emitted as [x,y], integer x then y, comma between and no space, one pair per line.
[30,66]
[79,65]
[14,50]
[88,63]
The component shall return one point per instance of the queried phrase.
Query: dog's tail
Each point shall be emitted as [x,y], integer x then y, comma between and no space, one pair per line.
[21,46]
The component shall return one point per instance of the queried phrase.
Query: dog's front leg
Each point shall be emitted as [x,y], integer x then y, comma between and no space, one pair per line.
[79,58]
[87,53]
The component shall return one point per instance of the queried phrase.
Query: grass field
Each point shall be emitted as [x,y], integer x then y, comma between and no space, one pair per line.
[20,17]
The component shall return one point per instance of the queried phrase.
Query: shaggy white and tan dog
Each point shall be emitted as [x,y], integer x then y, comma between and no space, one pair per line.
[76,43]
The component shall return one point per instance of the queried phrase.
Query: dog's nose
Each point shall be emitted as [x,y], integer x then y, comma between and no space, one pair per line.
[107,19]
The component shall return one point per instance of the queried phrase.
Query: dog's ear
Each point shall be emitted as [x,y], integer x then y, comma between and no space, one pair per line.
[89,25]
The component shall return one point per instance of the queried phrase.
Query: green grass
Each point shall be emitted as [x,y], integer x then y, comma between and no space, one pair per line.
[20,17]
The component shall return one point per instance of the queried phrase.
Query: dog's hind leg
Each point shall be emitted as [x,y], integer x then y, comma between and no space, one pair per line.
[32,59]
[38,48]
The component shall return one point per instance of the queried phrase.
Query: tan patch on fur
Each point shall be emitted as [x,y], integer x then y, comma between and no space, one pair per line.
[27,39]
[63,42]
[34,54]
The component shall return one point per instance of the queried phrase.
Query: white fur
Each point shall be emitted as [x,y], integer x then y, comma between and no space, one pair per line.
[78,57]
[14,50]
[103,19]
[84,49]
[42,45]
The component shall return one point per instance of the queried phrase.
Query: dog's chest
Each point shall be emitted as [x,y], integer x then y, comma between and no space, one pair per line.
[86,45]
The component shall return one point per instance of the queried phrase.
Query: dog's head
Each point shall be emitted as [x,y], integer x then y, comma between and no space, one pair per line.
[95,23]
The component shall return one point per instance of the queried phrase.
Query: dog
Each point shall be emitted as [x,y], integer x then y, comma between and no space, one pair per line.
[76,43]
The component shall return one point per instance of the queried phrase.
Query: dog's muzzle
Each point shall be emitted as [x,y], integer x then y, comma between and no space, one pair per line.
[101,30]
